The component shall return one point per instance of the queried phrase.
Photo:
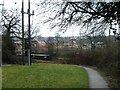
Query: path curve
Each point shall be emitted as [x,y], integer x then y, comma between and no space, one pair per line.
[95,79]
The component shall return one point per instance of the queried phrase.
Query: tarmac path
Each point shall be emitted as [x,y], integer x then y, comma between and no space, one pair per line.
[95,79]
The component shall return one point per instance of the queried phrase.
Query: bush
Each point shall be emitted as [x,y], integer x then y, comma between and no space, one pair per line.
[8,51]
[8,58]
[84,57]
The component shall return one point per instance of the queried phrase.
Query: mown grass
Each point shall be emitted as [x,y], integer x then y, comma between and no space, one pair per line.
[0,77]
[44,76]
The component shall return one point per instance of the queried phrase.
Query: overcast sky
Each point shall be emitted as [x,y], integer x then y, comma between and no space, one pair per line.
[44,30]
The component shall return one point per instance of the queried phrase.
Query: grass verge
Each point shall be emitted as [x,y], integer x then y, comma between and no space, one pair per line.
[44,76]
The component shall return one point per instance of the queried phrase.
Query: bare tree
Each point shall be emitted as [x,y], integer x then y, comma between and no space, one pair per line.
[64,13]
[11,22]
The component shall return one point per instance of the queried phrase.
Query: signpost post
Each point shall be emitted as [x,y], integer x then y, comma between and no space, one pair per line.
[23,41]
[29,32]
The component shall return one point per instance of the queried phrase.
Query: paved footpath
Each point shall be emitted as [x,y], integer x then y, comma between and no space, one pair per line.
[95,80]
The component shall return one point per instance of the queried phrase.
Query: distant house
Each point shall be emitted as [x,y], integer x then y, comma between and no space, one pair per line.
[18,47]
[86,46]
[99,44]
[39,46]
[36,46]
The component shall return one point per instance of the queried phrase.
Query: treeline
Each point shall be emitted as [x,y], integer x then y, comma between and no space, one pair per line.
[105,58]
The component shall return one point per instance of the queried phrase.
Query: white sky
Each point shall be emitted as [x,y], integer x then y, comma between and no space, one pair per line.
[44,30]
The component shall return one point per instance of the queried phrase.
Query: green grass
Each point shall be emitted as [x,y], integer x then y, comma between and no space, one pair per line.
[0,78]
[44,76]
